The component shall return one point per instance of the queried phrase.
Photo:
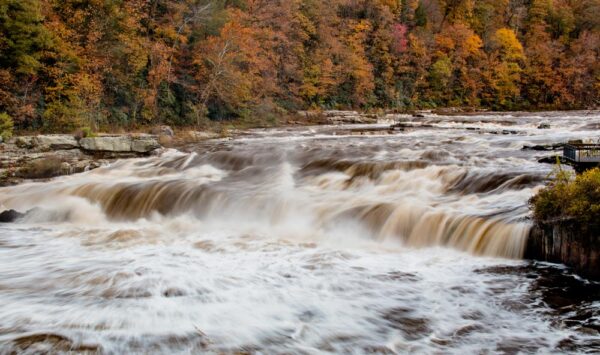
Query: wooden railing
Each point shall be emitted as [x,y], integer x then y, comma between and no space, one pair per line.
[582,153]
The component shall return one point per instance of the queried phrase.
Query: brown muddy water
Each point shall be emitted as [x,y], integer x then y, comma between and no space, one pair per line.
[313,240]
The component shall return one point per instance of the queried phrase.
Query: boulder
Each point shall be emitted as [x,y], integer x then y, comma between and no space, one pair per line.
[120,144]
[145,144]
[55,142]
[106,144]
[552,160]
[544,126]
[200,135]
[163,131]
[309,113]
[10,216]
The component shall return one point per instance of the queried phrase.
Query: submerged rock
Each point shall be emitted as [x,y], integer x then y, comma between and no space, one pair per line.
[552,160]
[10,216]
[541,147]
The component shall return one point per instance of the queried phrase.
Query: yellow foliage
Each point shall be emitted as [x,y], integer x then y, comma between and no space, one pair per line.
[6,126]
[473,45]
[509,45]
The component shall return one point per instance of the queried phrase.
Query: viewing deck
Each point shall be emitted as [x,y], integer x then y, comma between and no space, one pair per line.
[582,156]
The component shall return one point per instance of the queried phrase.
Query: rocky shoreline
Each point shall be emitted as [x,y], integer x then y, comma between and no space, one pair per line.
[46,156]
[567,242]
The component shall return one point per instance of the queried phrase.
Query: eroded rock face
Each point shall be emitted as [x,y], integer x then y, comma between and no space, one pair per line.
[568,243]
[144,144]
[349,117]
[106,144]
[47,156]
[55,142]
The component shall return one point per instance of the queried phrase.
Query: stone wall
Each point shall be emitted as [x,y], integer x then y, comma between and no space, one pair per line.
[569,243]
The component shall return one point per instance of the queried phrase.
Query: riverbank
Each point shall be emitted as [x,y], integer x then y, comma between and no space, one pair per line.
[567,242]
[566,217]
[47,156]
[44,156]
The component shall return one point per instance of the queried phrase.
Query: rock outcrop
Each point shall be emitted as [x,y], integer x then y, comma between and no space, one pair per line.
[47,156]
[349,117]
[144,144]
[337,117]
[120,144]
[569,243]
[106,144]
[54,142]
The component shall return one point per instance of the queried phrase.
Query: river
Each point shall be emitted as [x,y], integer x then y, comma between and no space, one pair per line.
[301,240]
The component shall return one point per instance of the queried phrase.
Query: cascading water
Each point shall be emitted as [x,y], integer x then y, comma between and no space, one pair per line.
[303,240]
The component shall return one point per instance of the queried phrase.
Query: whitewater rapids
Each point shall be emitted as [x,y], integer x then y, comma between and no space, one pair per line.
[334,239]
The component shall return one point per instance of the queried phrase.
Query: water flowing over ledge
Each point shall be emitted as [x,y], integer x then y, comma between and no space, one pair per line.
[291,239]
[416,204]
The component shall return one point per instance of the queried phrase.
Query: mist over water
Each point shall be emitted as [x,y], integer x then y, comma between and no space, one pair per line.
[332,239]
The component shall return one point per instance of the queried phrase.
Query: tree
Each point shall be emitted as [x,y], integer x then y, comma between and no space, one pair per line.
[506,60]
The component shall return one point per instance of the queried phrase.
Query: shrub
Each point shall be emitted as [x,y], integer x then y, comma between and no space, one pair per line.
[6,126]
[43,168]
[61,117]
[571,198]
[87,132]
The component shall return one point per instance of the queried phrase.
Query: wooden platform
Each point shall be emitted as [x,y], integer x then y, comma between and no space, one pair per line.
[582,156]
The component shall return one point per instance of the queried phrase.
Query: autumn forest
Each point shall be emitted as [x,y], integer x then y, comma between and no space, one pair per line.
[67,64]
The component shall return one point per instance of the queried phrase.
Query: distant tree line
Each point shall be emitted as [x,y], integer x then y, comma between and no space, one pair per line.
[66,64]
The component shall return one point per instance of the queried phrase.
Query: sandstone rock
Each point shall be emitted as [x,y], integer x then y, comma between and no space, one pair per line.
[121,144]
[55,142]
[349,117]
[144,144]
[337,113]
[25,142]
[201,135]
[107,144]
[308,113]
